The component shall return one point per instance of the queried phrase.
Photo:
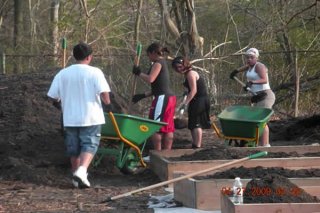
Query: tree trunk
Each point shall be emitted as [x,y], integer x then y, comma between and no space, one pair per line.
[55,29]
[183,28]
[18,21]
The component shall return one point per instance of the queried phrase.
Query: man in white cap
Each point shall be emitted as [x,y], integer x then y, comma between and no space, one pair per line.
[258,82]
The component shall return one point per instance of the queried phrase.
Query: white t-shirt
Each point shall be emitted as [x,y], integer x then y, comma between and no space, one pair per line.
[78,87]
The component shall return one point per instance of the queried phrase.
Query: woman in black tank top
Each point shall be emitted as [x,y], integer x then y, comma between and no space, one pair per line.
[164,102]
[197,100]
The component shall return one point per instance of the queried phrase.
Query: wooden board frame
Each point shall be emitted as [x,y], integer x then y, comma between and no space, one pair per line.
[164,167]
[227,206]
[205,194]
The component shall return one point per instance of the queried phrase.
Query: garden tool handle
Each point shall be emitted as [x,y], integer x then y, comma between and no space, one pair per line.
[136,63]
[243,84]
[181,111]
[260,154]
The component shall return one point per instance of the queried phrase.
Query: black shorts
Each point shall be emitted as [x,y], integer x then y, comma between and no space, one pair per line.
[199,113]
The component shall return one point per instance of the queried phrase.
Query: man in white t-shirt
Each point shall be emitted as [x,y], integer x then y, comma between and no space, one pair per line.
[80,89]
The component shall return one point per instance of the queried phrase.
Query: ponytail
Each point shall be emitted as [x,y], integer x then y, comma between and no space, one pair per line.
[156,47]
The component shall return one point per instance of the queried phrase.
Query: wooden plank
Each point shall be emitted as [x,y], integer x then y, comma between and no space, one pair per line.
[164,168]
[184,189]
[159,162]
[207,192]
[286,149]
[228,207]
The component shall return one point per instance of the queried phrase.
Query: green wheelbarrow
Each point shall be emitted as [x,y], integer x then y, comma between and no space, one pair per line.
[124,137]
[242,125]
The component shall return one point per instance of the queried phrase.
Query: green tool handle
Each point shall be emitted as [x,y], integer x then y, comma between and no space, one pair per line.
[138,54]
[258,155]
[136,63]
[64,47]
[64,43]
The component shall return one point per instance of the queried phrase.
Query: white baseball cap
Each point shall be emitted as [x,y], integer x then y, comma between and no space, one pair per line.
[253,51]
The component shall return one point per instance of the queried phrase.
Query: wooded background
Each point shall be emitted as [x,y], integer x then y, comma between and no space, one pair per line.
[214,34]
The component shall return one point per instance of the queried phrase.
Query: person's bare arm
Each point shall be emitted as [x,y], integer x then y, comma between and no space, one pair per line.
[243,68]
[192,81]
[105,97]
[155,70]
[262,72]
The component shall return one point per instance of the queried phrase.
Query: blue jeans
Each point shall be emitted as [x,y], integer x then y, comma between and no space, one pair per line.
[82,139]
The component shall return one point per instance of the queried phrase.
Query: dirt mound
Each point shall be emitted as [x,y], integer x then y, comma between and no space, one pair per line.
[275,189]
[300,131]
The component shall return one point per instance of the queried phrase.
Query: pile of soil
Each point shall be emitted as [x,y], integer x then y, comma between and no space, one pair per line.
[260,172]
[223,153]
[34,171]
[275,189]
[295,131]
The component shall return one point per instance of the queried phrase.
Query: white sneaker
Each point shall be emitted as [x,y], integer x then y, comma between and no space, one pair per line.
[146,159]
[267,145]
[81,176]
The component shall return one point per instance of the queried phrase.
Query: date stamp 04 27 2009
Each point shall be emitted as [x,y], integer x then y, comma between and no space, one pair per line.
[263,191]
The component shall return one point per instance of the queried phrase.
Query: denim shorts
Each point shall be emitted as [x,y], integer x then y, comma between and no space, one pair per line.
[82,139]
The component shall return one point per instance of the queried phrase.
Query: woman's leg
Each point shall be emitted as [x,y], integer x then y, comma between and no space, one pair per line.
[167,140]
[156,140]
[196,137]
[264,139]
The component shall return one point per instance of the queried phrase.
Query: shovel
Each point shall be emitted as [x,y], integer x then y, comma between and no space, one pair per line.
[243,84]
[179,121]
[257,155]
[256,96]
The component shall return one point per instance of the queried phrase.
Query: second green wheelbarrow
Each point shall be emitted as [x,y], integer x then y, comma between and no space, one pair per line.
[242,125]
[124,137]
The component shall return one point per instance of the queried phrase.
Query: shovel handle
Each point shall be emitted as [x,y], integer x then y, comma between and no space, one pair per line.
[258,155]
[243,84]
[136,63]
[138,54]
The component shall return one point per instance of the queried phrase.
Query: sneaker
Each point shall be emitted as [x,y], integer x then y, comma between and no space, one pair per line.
[81,176]
[195,147]
[75,183]
[146,159]
[267,145]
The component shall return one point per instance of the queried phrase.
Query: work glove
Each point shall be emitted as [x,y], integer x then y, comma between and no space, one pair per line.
[136,70]
[182,108]
[248,85]
[259,97]
[57,104]
[138,97]
[107,108]
[233,73]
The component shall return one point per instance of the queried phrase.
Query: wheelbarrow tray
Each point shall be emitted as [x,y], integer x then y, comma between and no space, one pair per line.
[242,121]
[133,128]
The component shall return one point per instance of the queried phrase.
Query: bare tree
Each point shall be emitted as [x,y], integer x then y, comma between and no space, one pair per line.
[180,21]
[55,29]
[17,35]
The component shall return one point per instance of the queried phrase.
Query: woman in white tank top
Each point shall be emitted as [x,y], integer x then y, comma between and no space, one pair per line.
[258,82]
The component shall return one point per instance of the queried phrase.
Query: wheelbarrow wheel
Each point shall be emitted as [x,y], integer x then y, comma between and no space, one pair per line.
[132,164]
[237,143]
